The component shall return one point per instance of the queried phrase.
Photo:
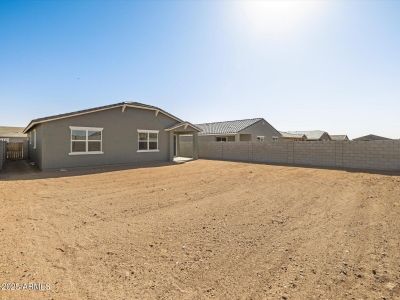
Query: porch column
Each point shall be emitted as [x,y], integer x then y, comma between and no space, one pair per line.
[171,146]
[195,145]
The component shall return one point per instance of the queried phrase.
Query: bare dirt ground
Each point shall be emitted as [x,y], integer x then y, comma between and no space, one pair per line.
[204,229]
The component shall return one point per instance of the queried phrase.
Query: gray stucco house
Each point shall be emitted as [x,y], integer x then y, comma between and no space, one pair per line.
[116,134]
[246,130]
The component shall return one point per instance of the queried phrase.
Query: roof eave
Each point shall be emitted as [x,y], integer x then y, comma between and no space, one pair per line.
[122,104]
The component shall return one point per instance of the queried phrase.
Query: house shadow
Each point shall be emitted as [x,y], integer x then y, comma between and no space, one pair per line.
[23,170]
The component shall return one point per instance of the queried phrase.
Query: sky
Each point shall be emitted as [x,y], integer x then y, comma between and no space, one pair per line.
[301,65]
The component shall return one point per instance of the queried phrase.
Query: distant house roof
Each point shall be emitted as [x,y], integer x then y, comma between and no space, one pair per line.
[95,109]
[288,135]
[311,135]
[372,137]
[338,137]
[226,127]
[10,132]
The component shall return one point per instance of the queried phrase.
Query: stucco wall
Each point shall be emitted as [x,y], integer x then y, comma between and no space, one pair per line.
[373,155]
[120,139]
[261,128]
[2,153]
[35,155]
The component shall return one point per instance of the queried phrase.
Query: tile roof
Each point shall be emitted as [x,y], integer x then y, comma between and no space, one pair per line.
[311,135]
[339,137]
[292,135]
[120,104]
[9,132]
[226,127]
[372,137]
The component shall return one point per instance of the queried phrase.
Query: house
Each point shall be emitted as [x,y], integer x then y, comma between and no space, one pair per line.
[372,137]
[247,130]
[293,136]
[313,135]
[340,138]
[116,134]
[12,134]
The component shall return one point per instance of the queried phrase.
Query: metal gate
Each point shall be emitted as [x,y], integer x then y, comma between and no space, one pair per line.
[15,151]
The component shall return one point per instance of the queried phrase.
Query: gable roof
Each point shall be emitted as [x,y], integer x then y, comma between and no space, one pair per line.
[372,137]
[95,109]
[226,127]
[311,135]
[339,137]
[185,125]
[292,135]
[10,132]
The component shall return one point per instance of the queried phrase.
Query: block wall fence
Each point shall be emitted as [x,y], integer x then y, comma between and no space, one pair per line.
[371,155]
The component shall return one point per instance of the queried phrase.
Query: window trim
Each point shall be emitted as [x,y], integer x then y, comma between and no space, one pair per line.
[148,140]
[87,129]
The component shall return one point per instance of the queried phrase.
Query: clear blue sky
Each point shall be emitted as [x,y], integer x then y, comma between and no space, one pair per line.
[332,65]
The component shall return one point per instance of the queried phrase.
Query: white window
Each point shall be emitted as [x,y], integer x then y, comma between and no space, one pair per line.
[147,140]
[34,138]
[86,140]
[260,138]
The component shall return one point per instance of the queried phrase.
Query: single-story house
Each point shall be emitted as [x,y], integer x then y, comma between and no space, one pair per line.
[372,137]
[116,134]
[340,138]
[293,136]
[12,134]
[247,130]
[313,135]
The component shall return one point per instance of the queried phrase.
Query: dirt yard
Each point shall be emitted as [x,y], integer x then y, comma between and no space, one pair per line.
[204,229]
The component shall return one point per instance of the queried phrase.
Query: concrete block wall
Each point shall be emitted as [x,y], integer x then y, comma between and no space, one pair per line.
[374,155]
[2,153]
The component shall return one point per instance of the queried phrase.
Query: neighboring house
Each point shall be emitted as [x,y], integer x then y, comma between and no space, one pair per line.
[313,135]
[339,138]
[12,134]
[116,134]
[247,130]
[372,137]
[293,136]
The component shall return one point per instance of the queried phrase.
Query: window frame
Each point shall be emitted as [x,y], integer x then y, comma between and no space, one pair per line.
[223,139]
[147,131]
[86,141]
[260,138]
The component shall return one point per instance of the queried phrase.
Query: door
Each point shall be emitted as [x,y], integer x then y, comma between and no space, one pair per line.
[15,151]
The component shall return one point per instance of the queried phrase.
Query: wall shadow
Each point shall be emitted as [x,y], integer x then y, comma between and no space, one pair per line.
[23,170]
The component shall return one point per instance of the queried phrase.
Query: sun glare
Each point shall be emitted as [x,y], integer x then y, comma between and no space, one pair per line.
[276,17]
